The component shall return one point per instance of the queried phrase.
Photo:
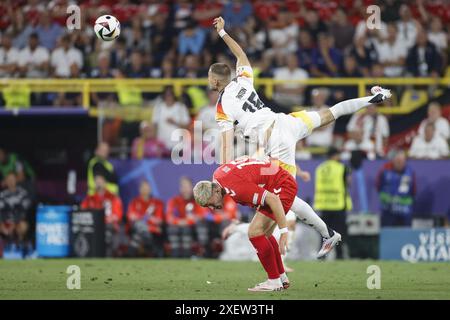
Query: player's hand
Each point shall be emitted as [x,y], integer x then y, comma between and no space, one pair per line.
[218,23]
[304,175]
[283,243]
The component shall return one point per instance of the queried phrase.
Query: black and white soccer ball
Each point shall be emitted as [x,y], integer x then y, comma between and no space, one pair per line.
[107,27]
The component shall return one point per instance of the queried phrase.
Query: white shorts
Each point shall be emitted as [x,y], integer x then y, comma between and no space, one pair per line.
[290,216]
[287,130]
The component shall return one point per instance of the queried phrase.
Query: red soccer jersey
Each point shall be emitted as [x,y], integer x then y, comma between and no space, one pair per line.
[181,209]
[248,181]
[108,201]
[151,210]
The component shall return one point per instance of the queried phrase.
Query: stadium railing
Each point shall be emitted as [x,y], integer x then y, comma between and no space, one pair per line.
[88,86]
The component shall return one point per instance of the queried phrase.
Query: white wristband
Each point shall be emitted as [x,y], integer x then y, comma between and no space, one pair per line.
[284,230]
[222,32]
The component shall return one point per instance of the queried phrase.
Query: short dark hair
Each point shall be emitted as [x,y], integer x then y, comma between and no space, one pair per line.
[221,69]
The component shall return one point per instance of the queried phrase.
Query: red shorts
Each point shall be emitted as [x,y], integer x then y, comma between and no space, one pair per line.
[286,191]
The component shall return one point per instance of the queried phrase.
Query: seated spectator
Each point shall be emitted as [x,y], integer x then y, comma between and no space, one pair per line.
[365,54]
[99,165]
[423,59]
[392,53]
[14,205]
[34,59]
[182,13]
[358,143]
[66,61]
[169,115]
[48,31]
[396,185]
[408,28]
[207,114]
[323,136]
[136,67]
[147,145]
[374,127]
[314,25]
[103,71]
[191,68]
[341,29]
[437,35]
[441,124]
[12,163]
[112,205]
[191,40]
[283,36]
[205,12]
[305,50]
[182,217]
[430,145]
[235,13]
[9,56]
[145,217]
[326,59]
[290,94]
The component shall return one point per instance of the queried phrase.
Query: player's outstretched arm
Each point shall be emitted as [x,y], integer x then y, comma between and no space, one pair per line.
[235,48]
[276,206]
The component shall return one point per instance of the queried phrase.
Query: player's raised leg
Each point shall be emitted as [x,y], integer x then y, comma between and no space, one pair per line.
[308,216]
[350,106]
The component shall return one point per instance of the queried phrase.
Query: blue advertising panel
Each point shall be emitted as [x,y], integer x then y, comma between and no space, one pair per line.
[415,245]
[52,231]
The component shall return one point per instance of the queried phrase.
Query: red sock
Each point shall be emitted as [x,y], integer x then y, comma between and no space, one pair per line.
[266,255]
[276,249]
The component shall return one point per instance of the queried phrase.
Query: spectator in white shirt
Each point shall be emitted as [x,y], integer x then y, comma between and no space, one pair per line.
[66,61]
[407,26]
[323,136]
[290,94]
[169,115]
[441,124]
[437,35]
[34,59]
[430,146]
[210,131]
[374,126]
[358,143]
[207,114]
[9,57]
[392,53]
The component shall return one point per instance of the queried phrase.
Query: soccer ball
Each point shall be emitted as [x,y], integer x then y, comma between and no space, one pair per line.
[107,27]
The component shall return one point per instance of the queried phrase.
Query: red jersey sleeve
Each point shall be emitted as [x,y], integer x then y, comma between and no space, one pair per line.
[244,192]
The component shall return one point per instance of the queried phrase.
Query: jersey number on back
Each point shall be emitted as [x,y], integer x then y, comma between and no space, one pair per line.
[253,103]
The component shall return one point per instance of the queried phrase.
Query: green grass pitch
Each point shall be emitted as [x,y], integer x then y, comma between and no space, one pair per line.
[213,279]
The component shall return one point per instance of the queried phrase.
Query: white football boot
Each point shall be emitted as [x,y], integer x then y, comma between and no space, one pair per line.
[268,286]
[329,244]
[380,94]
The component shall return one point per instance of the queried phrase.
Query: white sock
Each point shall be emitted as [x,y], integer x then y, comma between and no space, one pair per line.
[307,215]
[283,277]
[276,281]
[350,106]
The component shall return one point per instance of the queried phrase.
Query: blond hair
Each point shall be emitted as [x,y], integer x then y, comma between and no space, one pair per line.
[203,192]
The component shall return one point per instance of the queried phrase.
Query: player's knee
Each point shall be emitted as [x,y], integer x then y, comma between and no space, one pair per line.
[254,231]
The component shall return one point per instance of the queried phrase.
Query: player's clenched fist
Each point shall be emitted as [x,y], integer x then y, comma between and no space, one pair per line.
[219,23]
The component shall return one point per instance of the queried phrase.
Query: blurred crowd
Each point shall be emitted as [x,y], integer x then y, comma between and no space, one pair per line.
[292,39]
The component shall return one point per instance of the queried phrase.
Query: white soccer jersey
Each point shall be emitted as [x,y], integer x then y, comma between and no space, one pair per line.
[239,106]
